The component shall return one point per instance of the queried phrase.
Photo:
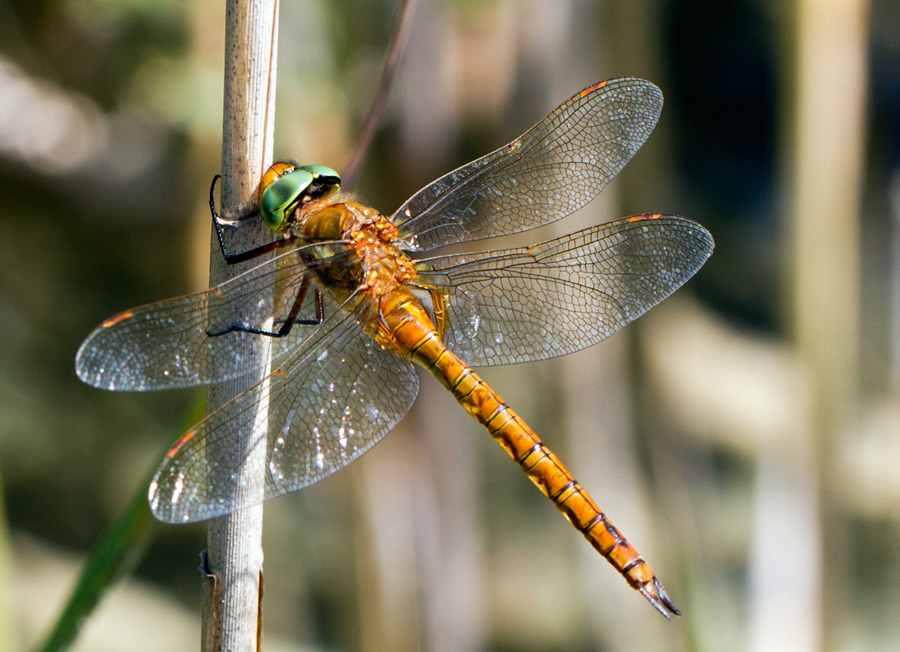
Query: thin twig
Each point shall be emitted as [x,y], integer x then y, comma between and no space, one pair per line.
[232,605]
[396,47]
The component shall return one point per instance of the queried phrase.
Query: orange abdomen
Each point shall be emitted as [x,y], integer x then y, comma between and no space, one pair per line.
[408,329]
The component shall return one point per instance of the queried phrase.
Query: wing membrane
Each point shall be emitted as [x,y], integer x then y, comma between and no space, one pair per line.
[555,168]
[328,404]
[167,344]
[561,296]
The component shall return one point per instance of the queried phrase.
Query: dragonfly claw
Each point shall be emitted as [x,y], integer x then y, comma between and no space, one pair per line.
[657,596]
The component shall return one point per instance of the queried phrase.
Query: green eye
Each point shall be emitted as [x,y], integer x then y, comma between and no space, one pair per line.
[284,186]
[324,172]
[280,196]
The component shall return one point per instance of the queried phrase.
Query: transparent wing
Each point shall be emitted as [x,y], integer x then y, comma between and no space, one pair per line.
[167,344]
[327,405]
[555,168]
[561,296]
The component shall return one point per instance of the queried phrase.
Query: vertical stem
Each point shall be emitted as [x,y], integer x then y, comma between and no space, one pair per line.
[826,153]
[232,610]
[7,625]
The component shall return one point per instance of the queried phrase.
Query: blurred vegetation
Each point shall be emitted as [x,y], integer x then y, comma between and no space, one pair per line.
[700,431]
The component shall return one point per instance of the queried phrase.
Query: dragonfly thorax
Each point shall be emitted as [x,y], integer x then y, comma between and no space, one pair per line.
[378,265]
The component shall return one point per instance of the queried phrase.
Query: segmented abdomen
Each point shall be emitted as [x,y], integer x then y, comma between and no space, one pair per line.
[410,331]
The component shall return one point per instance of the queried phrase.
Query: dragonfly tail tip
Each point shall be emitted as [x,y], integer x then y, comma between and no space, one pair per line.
[657,596]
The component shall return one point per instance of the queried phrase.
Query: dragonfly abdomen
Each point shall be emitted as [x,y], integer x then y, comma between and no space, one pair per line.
[555,481]
[414,335]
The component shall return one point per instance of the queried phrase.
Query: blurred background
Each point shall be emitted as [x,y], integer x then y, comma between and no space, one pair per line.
[744,435]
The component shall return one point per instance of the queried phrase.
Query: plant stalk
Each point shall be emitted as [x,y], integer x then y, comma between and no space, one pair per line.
[232,604]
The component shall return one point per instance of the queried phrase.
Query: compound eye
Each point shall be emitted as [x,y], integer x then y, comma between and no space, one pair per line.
[326,182]
[323,173]
[280,197]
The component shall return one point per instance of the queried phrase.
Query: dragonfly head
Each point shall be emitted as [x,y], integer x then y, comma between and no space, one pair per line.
[285,187]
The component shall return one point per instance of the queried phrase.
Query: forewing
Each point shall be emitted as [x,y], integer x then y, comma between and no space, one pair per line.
[561,296]
[555,168]
[197,339]
[327,405]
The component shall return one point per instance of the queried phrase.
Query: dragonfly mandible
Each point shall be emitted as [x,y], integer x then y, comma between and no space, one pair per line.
[354,307]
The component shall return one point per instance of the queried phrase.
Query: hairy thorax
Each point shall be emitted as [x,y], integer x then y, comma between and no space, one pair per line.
[377,265]
[378,272]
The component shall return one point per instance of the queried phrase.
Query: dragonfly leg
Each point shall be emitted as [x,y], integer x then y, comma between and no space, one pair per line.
[219,222]
[284,323]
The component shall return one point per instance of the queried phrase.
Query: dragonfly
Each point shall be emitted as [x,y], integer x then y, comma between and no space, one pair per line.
[351,304]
